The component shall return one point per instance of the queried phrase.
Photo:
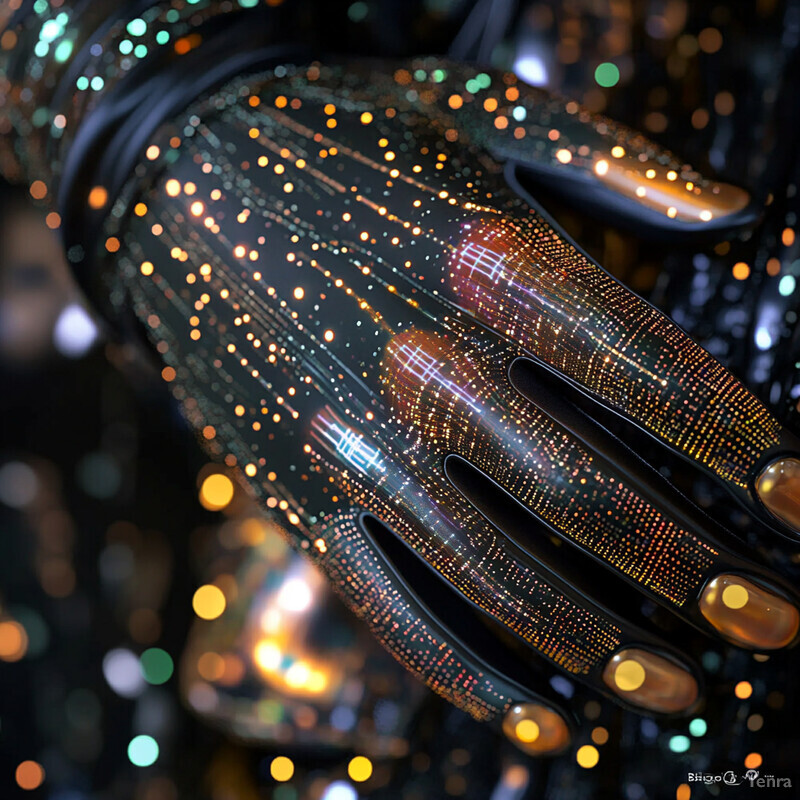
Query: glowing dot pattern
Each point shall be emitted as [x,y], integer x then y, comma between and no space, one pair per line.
[307,247]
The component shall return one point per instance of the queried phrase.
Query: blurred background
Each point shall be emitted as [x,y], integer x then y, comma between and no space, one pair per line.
[158,640]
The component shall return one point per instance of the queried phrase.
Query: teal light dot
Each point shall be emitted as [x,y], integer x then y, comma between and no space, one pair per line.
[358,11]
[439,75]
[607,74]
[82,83]
[711,661]
[420,75]
[192,2]
[97,83]
[162,37]
[248,3]
[519,113]
[679,744]
[173,15]
[40,117]
[157,666]
[484,81]
[50,30]
[472,86]
[126,46]
[40,6]
[787,285]
[137,27]
[63,51]
[41,49]
[143,751]
[698,727]
[140,51]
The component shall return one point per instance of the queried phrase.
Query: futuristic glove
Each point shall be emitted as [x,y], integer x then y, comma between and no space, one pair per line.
[362,309]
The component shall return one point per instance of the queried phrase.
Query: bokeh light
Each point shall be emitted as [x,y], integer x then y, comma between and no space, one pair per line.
[607,74]
[18,484]
[143,751]
[281,768]
[123,672]
[679,744]
[340,790]
[359,769]
[753,760]
[587,756]
[216,492]
[208,602]
[698,727]
[13,640]
[157,666]
[29,775]
[743,690]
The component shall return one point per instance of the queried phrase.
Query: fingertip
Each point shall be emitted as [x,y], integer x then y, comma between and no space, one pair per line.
[747,614]
[650,681]
[536,729]
[778,488]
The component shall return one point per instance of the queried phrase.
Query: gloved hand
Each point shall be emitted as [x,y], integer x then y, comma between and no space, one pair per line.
[361,308]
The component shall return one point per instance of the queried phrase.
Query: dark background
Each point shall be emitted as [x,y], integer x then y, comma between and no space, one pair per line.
[99,517]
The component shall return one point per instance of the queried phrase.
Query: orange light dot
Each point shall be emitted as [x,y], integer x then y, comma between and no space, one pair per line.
[152,152]
[329,335]
[753,760]
[683,792]
[216,492]
[13,641]
[299,293]
[743,690]
[787,237]
[140,209]
[208,602]
[366,118]
[29,775]
[741,271]
[490,104]
[168,374]
[564,156]
[455,101]
[38,190]
[112,244]
[211,666]
[197,208]
[53,220]
[146,268]
[773,267]
[173,187]
[98,197]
